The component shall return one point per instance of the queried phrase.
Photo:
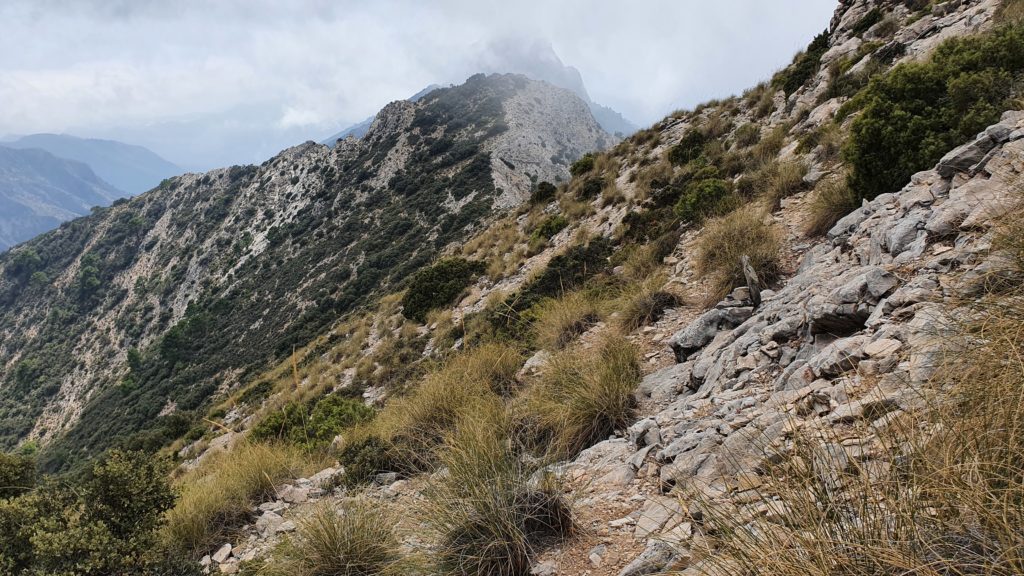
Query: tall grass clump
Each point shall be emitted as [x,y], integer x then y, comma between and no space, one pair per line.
[585,395]
[354,539]
[725,240]
[831,200]
[406,434]
[645,304]
[560,320]
[947,496]
[491,509]
[782,179]
[219,496]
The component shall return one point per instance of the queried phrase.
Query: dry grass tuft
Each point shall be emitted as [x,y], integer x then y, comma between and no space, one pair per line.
[725,240]
[491,514]
[585,395]
[645,304]
[832,199]
[560,320]
[218,497]
[355,540]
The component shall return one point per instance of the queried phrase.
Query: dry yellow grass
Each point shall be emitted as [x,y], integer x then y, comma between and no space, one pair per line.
[725,240]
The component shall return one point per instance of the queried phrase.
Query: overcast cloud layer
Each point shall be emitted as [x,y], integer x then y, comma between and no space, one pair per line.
[209,83]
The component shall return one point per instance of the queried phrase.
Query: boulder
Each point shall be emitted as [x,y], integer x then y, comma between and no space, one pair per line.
[655,558]
[838,357]
[963,158]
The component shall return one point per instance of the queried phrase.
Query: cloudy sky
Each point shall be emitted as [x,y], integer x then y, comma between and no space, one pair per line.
[215,82]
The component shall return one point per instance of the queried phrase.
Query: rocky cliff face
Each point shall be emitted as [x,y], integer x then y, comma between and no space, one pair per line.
[152,306]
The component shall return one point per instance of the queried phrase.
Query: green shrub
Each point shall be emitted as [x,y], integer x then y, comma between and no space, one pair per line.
[364,458]
[874,16]
[17,474]
[549,227]
[591,188]
[543,193]
[357,540]
[99,524]
[582,166]
[702,198]
[688,148]
[438,285]
[804,66]
[917,112]
[312,427]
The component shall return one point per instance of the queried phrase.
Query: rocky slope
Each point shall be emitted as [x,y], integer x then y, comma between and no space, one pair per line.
[38,191]
[837,349]
[129,319]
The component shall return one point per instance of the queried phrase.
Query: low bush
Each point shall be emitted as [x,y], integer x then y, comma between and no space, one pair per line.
[549,227]
[582,166]
[438,285]
[219,496]
[917,112]
[17,474]
[584,396]
[101,523]
[804,66]
[558,321]
[688,148]
[702,199]
[747,135]
[543,193]
[355,540]
[723,243]
[313,427]
[491,515]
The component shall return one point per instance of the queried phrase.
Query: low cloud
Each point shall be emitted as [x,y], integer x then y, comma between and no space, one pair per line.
[211,83]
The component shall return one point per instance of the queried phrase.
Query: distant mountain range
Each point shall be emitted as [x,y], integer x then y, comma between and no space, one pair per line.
[46,179]
[130,168]
[38,191]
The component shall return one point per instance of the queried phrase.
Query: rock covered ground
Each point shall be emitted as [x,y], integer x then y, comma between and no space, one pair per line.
[841,346]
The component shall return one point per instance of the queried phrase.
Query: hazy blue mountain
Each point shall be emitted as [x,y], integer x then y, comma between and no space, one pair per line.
[38,191]
[359,130]
[133,169]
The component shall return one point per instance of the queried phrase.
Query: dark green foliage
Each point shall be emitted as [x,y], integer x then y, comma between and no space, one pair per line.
[582,166]
[688,148]
[312,426]
[703,198]
[366,458]
[919,111]
[804,66]
[438,285]
[549,227]
[543,193]
[102,524]
[17,474]
[591,188]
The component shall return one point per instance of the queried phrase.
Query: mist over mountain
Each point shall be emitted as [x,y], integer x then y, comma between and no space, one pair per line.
[133,169]
[38,191]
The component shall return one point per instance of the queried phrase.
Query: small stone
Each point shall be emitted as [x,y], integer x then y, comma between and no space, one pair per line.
[286,526]
[228,568]
[596,555]
[222,554]
[883,347]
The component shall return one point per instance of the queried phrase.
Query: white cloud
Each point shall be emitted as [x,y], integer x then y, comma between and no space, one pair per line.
[222,72]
